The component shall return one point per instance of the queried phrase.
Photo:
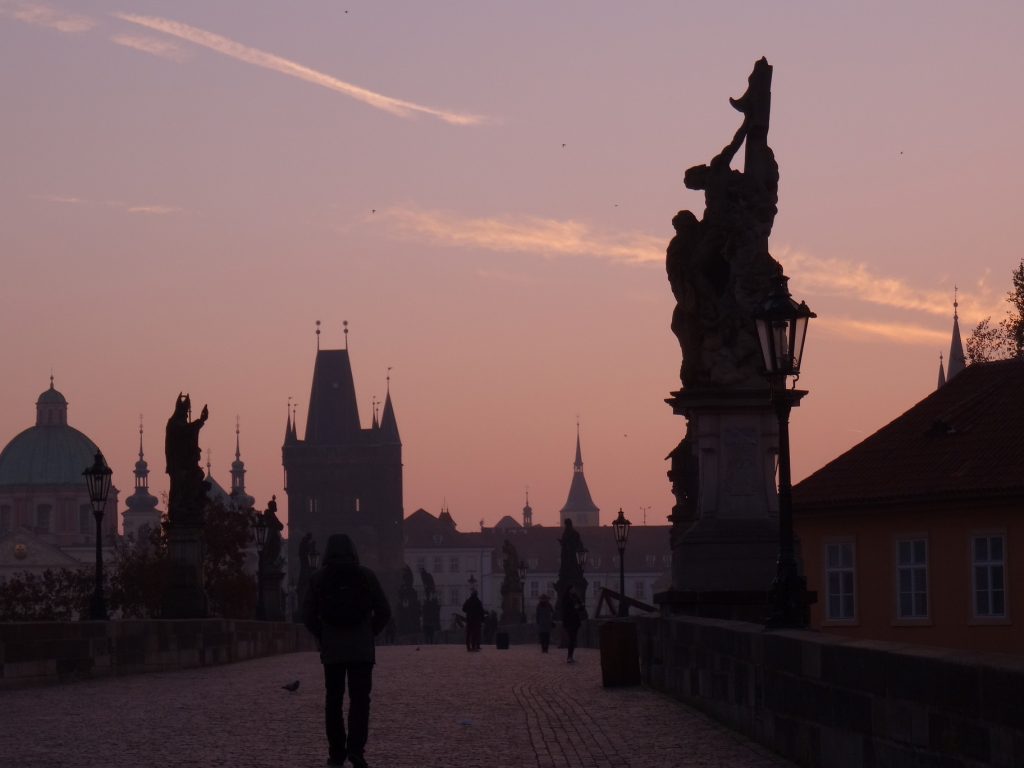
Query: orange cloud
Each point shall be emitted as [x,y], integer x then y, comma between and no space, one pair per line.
[44,16]
[898,333]
[151,45]
[526,234]
[256,57]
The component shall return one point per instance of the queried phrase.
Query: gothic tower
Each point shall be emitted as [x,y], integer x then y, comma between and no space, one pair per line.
[341,478]
[579,507]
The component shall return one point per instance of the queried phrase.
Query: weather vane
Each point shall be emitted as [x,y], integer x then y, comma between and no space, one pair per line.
[317,335]
[344,327]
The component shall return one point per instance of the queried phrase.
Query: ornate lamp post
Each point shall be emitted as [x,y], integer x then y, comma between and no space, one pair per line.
[782,329]
[260,527]
[97,479]
[621,528]
[522,583]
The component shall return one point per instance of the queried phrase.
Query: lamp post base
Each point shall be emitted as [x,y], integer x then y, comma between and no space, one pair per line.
[98,609]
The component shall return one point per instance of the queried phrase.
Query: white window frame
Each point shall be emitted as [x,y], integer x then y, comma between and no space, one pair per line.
[840,571]
[989,564]
[917,587]
[453,564]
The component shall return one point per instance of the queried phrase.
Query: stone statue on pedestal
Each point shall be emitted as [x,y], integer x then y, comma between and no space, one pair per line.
[570,572]
[511,585]
[407,616]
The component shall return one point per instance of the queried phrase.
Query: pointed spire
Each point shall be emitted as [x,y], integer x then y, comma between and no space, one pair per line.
[942,374]
[238,451]
[295,422]
[579,506]
[527,510]
[317,335]
[956,361]
[142,501]
[289,429]
[388,422]
[376,424]
[344,329]
[578,463]
[141,458]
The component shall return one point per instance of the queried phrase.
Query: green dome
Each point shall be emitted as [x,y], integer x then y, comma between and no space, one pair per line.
[46,455]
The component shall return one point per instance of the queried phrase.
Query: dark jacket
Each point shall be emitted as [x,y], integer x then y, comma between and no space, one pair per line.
[344,644]
[473,609]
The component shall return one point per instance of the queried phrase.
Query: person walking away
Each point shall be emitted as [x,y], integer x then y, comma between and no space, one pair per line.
[344,609]
[545,619]
[474,610]
[572,617]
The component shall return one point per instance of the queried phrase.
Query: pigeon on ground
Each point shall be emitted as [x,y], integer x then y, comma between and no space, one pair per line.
[292,686]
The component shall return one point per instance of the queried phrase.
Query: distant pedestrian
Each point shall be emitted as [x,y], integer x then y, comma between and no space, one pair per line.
[345,608]
[474,610]
[545,618]
[572,617]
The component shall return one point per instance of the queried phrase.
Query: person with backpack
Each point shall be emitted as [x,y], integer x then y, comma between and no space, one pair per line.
[474,610]
[344,609]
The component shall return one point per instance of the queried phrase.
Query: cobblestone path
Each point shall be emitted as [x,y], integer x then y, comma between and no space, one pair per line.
[436,707]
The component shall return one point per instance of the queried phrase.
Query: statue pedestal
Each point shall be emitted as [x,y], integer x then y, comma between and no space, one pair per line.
[273,595]
[511,609]
[725,529]
[185,597]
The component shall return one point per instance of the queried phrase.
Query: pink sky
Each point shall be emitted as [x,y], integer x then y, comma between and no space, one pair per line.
[188,186]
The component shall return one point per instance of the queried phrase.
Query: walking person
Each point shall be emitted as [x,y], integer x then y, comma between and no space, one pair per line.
[572,617]
[474,610]
[545,618]
[345,608]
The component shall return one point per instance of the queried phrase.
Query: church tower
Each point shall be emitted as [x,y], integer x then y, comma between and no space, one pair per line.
[241,499]
[579,507]
[957,360]
[341,478]
[142,512]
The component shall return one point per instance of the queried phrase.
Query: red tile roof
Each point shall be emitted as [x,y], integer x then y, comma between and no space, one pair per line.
[965,440]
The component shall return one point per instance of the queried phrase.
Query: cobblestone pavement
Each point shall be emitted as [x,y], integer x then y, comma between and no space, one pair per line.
[435,707]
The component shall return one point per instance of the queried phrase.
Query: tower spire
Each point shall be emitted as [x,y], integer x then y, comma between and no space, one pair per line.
[579,506]
[317,335]
[344,329]
[141,458]
[956,361]
[942,374]
[238,452]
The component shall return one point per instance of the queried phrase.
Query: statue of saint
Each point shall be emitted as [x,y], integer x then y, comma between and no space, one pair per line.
[187,496]
[719,266]
[510,564]
[272,548]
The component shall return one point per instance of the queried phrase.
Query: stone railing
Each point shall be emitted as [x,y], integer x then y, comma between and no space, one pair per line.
[47,652]
[823,700]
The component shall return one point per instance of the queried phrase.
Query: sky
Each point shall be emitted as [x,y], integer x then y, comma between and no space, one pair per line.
[484,191]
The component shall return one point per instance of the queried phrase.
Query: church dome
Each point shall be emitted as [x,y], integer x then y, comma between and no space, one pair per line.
[52,397]
[46,455]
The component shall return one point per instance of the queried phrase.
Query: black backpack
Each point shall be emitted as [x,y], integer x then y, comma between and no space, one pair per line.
[345,599]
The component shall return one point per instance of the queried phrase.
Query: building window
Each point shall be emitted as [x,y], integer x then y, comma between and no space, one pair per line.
[912,576]
[597,586]
[989,585]
[534,589]
[5,518]
[438,565]
[666,559]
[651,560]
[43,517]
[638,589]
[454,593]
[312,505]
[839,581]
[85,521]
[357,504]
[421,563]
[453,565]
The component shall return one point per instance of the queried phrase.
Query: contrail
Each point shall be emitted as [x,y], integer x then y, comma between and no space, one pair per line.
[235,50]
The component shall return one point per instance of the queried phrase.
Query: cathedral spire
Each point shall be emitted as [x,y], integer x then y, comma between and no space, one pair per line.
[241,498]
[942,373]
[956,361]
[388,422]
[579,506]
[527,510]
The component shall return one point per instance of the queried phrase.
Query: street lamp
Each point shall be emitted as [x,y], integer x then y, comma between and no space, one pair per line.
[782,330]
[97,479]
[522,585]
[261,528]
[313,557]
[621,528]
[581,558]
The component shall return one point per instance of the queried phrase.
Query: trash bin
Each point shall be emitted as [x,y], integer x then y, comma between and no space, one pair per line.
[501,641]
[620,654]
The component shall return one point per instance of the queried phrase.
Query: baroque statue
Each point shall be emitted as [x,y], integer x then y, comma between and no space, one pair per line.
[719,266]
[187,497]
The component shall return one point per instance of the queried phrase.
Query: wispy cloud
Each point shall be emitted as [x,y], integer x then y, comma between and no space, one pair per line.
[154,210]
[259,58]
[151,209]
[165,49]
[837,277]
[44,16]
[899,333]
[527,234]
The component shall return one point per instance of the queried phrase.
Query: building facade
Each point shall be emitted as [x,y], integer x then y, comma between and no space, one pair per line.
[916,534]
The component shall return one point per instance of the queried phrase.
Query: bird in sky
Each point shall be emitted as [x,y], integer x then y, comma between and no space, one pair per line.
[292,687]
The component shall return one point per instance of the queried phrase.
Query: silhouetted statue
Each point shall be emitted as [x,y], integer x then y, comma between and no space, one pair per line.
[719,267]
[187,496]
[408,613]
[570,572]
[429,588]
[510,584]
[272,547]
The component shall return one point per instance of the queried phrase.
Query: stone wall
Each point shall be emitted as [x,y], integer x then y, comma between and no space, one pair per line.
[49,652]
[828,701]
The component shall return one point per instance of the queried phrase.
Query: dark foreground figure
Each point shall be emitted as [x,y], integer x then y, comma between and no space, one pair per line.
[345,608]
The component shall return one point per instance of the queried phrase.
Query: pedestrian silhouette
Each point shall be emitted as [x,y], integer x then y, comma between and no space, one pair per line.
[474,610]
[545,619]
[345,608]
